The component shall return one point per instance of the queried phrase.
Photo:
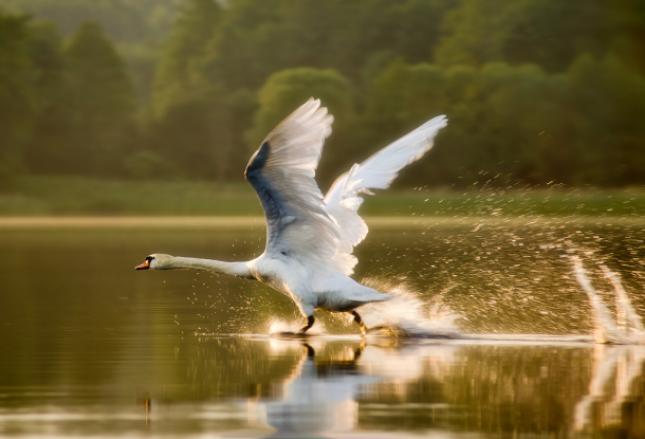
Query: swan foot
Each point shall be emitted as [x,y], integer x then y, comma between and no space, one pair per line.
[300,334]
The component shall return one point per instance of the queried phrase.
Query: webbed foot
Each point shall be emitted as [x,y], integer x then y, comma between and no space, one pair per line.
[300,334]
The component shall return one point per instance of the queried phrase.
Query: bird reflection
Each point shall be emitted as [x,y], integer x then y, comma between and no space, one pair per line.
[321,396]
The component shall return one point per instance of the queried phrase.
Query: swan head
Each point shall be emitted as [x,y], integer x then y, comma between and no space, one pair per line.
[156,261]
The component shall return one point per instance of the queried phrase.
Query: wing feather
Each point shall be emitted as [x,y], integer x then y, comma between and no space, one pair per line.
[282,171]
[299,220]
[345,195]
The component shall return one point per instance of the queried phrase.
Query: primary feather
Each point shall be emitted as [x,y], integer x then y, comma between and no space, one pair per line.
[345,195]
[282,171]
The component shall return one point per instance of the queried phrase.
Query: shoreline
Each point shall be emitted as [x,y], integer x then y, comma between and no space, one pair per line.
[34,222]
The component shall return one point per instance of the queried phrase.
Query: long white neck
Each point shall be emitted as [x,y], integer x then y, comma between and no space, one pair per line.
[233,268]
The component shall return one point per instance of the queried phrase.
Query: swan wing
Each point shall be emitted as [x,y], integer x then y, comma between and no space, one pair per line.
[282,172]
[345,195]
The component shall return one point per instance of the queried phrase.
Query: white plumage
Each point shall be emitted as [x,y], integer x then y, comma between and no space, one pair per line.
[310,238]
[344,198]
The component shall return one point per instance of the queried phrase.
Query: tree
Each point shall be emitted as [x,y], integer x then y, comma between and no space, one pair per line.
[474,32]
[504,120]
[16,95]
[178,77]
[201,136]
[100,103]
[50,130]
[609,104]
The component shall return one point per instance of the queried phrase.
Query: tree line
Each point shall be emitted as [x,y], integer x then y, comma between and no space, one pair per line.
[537,91]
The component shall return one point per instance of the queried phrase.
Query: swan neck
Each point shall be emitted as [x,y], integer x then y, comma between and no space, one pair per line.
[232,268]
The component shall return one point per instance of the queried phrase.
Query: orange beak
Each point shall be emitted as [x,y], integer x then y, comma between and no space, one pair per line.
[145,265]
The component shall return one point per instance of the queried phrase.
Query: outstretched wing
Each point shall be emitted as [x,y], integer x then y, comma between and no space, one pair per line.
[377,172]
[282,173]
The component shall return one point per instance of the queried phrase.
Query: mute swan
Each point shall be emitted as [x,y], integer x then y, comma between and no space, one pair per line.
[310,238]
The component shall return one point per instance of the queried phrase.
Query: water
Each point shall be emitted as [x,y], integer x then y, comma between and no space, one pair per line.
[91,347]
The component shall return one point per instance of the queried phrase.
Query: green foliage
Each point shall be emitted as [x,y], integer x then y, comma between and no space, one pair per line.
[123,20]
[100,102]
[177,77]
[608,130]
[475,32]
[518,123]
[16,92]
[147,165]
[197,123]
[548,33]
[51,123]
[535,90]
[137,27]
[201,136]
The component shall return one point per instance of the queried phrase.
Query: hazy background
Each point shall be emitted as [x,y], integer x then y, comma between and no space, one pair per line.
[538,92]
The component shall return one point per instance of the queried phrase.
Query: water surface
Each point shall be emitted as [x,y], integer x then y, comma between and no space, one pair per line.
[90,347]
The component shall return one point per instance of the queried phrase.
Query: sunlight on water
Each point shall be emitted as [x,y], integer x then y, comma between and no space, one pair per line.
[100,350]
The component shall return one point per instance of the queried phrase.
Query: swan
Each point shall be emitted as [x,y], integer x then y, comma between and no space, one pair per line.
[311,237]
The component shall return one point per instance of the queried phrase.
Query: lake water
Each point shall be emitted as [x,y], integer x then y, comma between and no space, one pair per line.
[92,348]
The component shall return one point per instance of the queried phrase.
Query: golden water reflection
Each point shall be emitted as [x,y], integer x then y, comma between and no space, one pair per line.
[344,388]
[90,347]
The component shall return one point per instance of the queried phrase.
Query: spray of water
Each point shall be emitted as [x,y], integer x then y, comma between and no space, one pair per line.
[407,315]
[628,328]
[404,315]
[626,317]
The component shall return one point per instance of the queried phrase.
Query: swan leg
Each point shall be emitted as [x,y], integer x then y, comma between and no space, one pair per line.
[359,321]
[310,323]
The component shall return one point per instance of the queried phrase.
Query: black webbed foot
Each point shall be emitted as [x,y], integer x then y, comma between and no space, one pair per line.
[300,334]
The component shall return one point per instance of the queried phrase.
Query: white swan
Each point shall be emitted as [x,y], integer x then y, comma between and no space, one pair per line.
[310,238]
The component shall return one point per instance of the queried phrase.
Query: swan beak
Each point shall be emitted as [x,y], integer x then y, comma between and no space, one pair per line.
[145,265]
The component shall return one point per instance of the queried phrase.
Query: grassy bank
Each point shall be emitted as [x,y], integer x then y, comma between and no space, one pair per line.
[82,196]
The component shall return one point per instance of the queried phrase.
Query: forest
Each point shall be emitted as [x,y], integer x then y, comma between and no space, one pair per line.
[537,91]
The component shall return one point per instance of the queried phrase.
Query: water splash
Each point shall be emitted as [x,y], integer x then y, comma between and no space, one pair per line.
[627,328]
[406,314]
[627,318]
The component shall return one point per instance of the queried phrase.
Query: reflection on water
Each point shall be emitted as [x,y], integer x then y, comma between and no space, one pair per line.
[616,371]
[342,388]
[90,347]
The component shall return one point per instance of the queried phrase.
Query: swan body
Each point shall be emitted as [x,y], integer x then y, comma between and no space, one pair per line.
[311,237]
